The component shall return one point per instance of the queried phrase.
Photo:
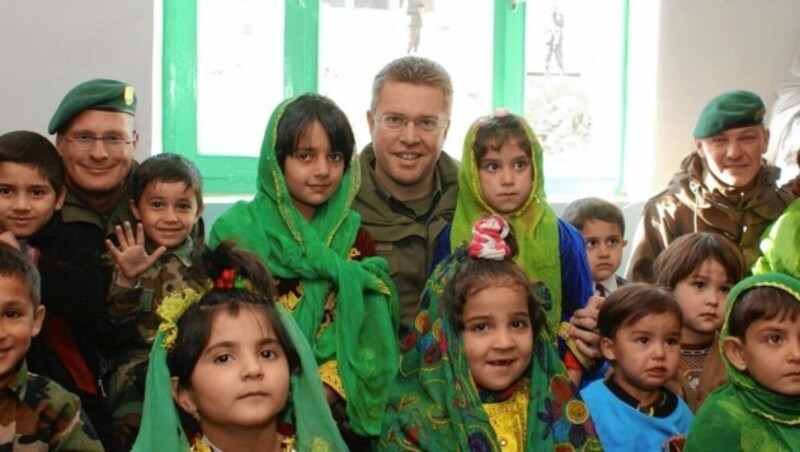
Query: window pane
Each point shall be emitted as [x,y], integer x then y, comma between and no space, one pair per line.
[359,37]
[574,91]
[239,73]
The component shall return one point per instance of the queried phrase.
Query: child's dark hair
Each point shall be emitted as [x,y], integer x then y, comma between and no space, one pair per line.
[761,303]
[32,149]
[476,274]
[14,264]
[632,302]
[498,130]
[167,168]
[688,252]
[301,113]
[578,212]
[194,327]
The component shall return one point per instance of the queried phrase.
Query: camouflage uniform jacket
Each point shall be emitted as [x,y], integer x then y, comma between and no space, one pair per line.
[405,238]
[36,414]
[170,273]
[695,201]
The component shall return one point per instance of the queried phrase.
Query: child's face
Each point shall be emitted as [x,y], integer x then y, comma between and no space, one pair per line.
[604,244]
[19,322]
[313,171]
[498,336]
[702,296]
[506,177]
[645,353]
[27,199]
[770,353]
[241,379]
[167,211]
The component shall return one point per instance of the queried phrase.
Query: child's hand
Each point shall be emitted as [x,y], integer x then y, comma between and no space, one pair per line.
[131,258]
[675,443]
[584,328]
[8,237]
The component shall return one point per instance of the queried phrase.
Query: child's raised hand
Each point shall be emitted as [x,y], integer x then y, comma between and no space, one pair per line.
[131,257]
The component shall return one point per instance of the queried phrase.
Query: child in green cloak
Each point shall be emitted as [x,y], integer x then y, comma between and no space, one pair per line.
[236,365]
[479,370]
[759,408]
[301,224]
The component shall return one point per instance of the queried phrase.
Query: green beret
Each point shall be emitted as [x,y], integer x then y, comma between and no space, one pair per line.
[728,111]
[97,94]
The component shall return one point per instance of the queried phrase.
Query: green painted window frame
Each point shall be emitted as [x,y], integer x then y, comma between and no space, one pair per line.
[225,175]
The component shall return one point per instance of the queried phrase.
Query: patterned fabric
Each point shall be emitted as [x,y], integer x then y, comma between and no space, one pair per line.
[363,336]
[435,405]
[36,414]
[534,223]
[695,201]
[743,415]
[308,410]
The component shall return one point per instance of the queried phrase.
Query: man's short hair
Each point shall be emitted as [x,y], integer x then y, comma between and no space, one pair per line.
[578,212]
[417,71]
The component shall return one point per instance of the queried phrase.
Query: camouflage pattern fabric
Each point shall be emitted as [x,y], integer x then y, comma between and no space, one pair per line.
[36,414]
[138,306]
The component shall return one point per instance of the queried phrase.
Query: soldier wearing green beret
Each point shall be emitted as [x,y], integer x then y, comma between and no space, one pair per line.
[723,186]
[95,135]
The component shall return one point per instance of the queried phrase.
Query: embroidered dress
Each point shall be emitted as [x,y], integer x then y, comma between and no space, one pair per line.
[362,338]
[434,404]
[743,415]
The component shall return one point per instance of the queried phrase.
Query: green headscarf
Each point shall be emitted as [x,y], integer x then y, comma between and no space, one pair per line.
[362,337]
[759,417]
[535,223]
[436,406]
[780,244]
[316,430]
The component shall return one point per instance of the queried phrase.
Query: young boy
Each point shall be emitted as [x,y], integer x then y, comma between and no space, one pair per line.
[700,268]
[32,191]
[150,262]
[759,408]
[603,228]
[640,330]
[35,412]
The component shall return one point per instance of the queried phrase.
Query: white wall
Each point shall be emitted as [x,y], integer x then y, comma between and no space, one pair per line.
[49,46]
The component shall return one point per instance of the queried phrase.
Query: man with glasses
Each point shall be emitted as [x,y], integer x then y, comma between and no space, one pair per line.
[408,186]
[96,139]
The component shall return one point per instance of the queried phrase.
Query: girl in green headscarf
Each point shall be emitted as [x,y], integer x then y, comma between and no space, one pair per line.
[759,408]
[479,370]
[502,173]
[300,224]
[236,364]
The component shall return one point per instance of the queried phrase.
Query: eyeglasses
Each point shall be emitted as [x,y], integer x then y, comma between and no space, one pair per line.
[393,121]
[84,141]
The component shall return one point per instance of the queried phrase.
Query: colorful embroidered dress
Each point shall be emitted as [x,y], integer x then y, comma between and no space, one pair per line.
[362,338]
[435,405]
[743,415]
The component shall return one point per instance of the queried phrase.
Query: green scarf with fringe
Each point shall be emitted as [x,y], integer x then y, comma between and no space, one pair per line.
[362,336]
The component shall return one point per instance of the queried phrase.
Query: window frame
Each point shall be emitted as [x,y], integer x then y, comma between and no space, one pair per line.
[230,175]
